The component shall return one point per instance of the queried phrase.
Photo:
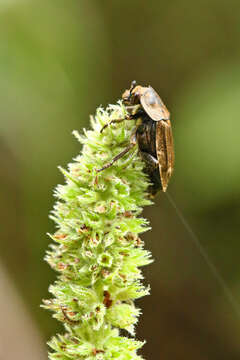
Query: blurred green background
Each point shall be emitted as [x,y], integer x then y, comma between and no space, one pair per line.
[59,60]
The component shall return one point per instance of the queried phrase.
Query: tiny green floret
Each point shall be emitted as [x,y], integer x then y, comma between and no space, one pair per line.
[97,251]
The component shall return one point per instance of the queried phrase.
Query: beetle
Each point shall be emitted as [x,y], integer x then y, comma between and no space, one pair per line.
[153,134]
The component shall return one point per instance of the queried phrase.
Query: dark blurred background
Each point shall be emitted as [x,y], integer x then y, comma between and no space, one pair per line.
[59,60]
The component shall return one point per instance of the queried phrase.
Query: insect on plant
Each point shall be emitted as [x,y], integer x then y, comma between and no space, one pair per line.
[153,134]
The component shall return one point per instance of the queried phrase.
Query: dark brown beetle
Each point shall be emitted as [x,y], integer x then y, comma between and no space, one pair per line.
[153,134]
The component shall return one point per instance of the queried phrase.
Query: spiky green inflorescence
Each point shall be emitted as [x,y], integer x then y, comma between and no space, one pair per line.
[97,250]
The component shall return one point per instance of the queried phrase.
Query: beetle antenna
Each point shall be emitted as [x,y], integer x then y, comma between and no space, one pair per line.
[227,291]
[133,84]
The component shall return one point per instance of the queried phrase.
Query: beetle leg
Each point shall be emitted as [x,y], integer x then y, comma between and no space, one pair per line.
[133,108]
[135,111]
[114,121]
[133,114]
[149,159]
[133,143]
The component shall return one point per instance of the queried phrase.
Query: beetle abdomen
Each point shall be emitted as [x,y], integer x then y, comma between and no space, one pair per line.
[146,136]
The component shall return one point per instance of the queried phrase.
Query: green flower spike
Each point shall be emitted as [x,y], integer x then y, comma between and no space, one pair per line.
[97,252]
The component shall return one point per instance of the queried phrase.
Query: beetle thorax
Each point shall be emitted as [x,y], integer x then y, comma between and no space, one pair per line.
[136,94]
[132,97]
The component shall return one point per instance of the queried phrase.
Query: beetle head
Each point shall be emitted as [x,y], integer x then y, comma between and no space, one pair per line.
[131,96]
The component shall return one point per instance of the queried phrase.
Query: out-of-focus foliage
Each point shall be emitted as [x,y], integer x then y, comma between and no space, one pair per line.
[58,61]
[209,124]
[15,317]
[46,91]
